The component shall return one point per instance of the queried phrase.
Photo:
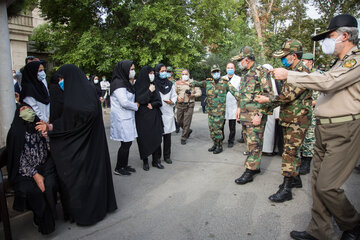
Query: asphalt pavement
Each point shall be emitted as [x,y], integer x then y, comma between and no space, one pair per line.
[194,198]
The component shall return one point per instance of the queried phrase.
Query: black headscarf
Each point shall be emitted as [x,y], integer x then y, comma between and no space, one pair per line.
[31,86]
[142,85]
[120,77]
[163,85]
[79,148]
[97,85]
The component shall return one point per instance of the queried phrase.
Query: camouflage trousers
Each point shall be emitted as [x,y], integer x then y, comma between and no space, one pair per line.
[216,127]
[307,148]
[293,138]
[253,136]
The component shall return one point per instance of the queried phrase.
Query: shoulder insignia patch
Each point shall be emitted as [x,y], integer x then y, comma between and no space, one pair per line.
[263,80]
[349,63]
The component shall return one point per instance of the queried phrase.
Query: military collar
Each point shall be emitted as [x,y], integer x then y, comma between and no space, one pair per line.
[353,50]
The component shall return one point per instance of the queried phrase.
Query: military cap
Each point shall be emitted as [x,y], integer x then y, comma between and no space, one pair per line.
[215,67]
[169,69]
[290,46]
[245,51]
[343,20]
[308,56]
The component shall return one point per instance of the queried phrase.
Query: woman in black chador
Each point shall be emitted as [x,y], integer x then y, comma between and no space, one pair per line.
[148,118]
[80,151]
[31,170]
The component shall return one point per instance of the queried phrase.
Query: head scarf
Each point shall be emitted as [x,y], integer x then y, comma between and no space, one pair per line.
[80,99]
[31,86]
[163,85]
[120,77]
[142,83]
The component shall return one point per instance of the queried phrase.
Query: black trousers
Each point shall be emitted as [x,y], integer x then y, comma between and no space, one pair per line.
[279,138]
[123,155]
[167,145]
[232,128]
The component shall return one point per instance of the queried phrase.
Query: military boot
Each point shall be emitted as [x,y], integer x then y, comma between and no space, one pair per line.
[305,165]
[218,149]
[296,183]
[284,193]
[212,148]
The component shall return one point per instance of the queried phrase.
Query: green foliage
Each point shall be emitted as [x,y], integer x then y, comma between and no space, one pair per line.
[20,5]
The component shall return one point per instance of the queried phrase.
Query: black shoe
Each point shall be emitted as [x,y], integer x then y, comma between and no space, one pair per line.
[168,160]
[241,140]
[284,193]
[301,235]
[183,142]
[130,169]
[218,149]
[305,165]
[357,168]
[146,166]
[248,176]
[353,234]
[212,148]
[296,183]
[121,171]
[157,165]
[177,130]
[230,144]
[190,131]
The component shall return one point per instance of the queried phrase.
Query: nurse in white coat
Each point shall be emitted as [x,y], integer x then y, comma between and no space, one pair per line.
[122,116]
[231,103]
[168,96]
[269,133]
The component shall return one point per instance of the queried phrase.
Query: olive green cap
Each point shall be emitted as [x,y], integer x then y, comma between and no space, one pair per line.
[290,46]
[308,56]
[245,51]
[215,67]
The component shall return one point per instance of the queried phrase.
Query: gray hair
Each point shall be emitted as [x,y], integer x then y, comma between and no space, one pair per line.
[184,69]
[353,34]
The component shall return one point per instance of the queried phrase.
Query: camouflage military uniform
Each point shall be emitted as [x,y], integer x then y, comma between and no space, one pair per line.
[216,97]
[256,81]
[295,118]
[307,148]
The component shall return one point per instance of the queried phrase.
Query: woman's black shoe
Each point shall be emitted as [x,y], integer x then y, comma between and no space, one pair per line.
[121,171]
[130,169]
[146,166]
[157,165]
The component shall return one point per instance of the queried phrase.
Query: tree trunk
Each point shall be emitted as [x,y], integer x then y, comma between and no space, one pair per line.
[257,24]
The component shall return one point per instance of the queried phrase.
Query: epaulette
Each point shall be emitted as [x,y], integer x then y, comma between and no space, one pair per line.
[224,79]
[209,79]
[357,51]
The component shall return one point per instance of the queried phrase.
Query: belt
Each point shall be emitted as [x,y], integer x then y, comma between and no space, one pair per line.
[184,103]
[329,120]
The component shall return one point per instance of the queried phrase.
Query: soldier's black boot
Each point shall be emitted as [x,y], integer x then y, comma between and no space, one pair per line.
[284,192]
[218,149]
[296,183]
[301,235]
[212,148]
[305,165]
[248,176]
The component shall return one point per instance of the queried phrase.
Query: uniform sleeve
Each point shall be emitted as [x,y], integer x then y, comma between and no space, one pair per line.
[233,91]
[198,83]
[121,96]
[197,92]
[288,94]
[334,80]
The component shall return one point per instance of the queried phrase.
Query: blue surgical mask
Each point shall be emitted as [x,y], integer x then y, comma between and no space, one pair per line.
[168,75]
[285,62]
[216,75]
[61,84]
[230,72]
[163,75]
[41,76]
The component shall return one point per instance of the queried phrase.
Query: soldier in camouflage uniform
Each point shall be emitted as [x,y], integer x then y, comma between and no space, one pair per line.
[307,148]
[295,117]
[216,90]
[252,115]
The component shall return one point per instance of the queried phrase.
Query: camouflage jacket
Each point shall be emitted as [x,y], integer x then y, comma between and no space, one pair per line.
[257,81]
[216,94]
[295,102]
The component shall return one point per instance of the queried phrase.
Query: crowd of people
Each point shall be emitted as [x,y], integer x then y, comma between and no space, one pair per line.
[57,142]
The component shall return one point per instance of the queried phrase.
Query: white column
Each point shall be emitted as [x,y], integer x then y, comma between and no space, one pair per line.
[7,94]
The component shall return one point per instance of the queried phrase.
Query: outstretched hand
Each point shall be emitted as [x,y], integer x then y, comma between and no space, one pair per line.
[261,99]
[279,73]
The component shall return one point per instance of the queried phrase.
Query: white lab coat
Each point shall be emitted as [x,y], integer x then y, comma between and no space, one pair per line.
[167,110]
[231,103]
[269,133]
[122,116]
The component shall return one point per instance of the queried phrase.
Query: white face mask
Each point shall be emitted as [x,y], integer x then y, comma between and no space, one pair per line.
[96,81]
[151,77]
[242,67]
[185,77]
[328,45]
[132,74]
